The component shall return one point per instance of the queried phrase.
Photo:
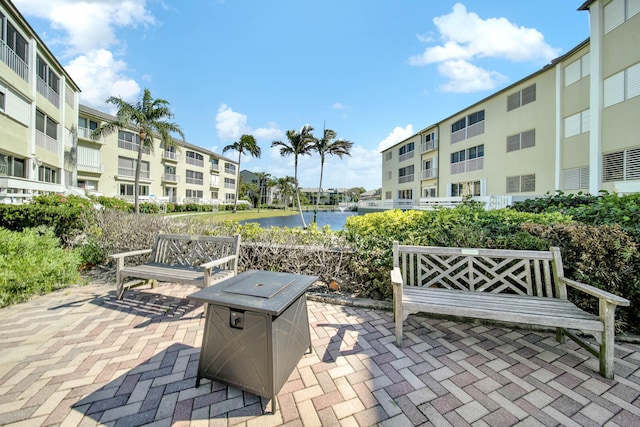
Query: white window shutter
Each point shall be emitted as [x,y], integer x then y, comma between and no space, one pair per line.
[572,179]
[633,79]
[572,73]
[572,125]
[585,120]
[614,89]
[613,15]
[586,65]
[633,8]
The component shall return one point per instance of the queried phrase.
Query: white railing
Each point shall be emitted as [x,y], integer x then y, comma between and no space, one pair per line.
[45,90]
[170,177]
[195,162]
[429,173]
[171,155]
[475,129]
[46,142]
[85,133]
[406,156]
[215,184]
[406,178]
[197,181]
[387,204]
[229,186]
[428,145]
[230,171]
[430,203]
[467,166]
[215,167]
[97,168]
[459,135]
[13,61]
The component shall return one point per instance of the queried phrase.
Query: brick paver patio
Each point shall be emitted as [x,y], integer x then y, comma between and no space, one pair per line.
[80,357]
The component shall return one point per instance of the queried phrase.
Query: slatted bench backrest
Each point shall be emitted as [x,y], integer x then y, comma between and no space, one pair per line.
[185,250]
[481,270]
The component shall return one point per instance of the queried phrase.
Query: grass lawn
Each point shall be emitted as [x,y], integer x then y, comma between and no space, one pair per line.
[238,216]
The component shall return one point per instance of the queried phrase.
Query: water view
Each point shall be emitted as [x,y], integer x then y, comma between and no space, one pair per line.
[335,220]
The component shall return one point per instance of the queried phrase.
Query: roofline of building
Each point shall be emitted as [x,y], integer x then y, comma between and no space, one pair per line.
[14,10]
[553,63]
[586,5]
[108,117]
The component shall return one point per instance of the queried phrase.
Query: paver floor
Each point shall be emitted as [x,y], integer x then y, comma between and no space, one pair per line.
[79,357]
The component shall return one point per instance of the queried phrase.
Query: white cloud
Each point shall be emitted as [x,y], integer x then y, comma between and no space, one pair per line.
[396,135]
[339,106]
[99,76]
[468,37]
[231,125]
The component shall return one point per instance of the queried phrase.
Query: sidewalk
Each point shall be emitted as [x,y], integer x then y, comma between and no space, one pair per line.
[79,357]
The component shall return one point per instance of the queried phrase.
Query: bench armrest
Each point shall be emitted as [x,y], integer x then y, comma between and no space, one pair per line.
[218,261]
[396,277]
[130,253]
[599,293]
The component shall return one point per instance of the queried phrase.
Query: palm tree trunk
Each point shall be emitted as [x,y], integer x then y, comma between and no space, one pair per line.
[315,211]
[235,199]
[304,225]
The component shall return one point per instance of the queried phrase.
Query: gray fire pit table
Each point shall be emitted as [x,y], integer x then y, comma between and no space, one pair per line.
[256,330]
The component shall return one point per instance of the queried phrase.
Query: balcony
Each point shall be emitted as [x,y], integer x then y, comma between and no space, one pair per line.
[214,184]
[46,142]
[95,168]
[131,173]
[195,162]
[197,181]
[215,168]
[467,166]
[426,146]
[171,156]
[13,61]
[170,177]
[131,146]
[85,133]
[406,156]
[229,186]
[406,178]
[45,90]
[231,171]
[429,173]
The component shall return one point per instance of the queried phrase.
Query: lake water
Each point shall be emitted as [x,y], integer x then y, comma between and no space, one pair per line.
[335,220]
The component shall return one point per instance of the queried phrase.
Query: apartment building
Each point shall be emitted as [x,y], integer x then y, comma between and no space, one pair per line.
[38,112]
[188,174]
[569,127]
[45,143]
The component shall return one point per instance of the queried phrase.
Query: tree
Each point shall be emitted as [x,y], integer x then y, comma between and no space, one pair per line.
[263,178]
[326,146]
[300,144]
[147,117]
[246,145]
[285,185]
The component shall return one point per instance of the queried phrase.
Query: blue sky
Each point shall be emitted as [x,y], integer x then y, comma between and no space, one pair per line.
[374,71]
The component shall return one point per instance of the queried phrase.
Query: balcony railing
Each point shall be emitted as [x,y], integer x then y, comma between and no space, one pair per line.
[229,171]
[197,181]
[467,166]
[406,156]
[96,168]
[171,155]
[429,173]
[85,133]
[46,142]
[195,162]
[13,61]
[214,184]
[131,146]
[131,172]
[170,177]
[215,168]
[406,178]
[428,146]
[229,186]
[45,90]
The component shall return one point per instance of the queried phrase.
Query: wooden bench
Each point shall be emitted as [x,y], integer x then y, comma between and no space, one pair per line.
[195,260]
[525,287]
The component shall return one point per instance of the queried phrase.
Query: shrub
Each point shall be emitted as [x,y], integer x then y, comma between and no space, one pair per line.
[32,262]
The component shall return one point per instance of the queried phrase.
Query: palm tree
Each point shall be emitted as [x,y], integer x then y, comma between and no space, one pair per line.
[148,116]
[300,144]
[326,146]
[286,187]
[263,177]
[246,145]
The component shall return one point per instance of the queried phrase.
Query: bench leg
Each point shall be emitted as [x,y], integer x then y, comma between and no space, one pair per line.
[607,343]
[560,336]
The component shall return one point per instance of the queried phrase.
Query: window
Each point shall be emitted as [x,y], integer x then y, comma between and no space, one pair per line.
[469,160]
[229,197]
[2,101]
[405,194]
[429,192]
[406,152]
[388,155]
[522,97]
[476,117]
[215,181]
[10,166]
[47,75]
[576,124]
[195,159]
[429,142]
[87,123]
[622,86]
[469,188]
[230,168]
[126,166]
[521,141]
[194,194]
[387,195]
[621,165]
[405,174]
[16,42]
[469,153]
[389,175]
[576,179]
[45,125]
[215,166]
[229,183]
[130,141]
[619,11]
[214,194]
[521,184]
[194,177]
[468,127]
[460,124]
[127,190]
[48,174]
[577,70]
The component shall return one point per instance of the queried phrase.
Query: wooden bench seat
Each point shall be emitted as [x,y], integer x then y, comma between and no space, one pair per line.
[522,287]
[194,260]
